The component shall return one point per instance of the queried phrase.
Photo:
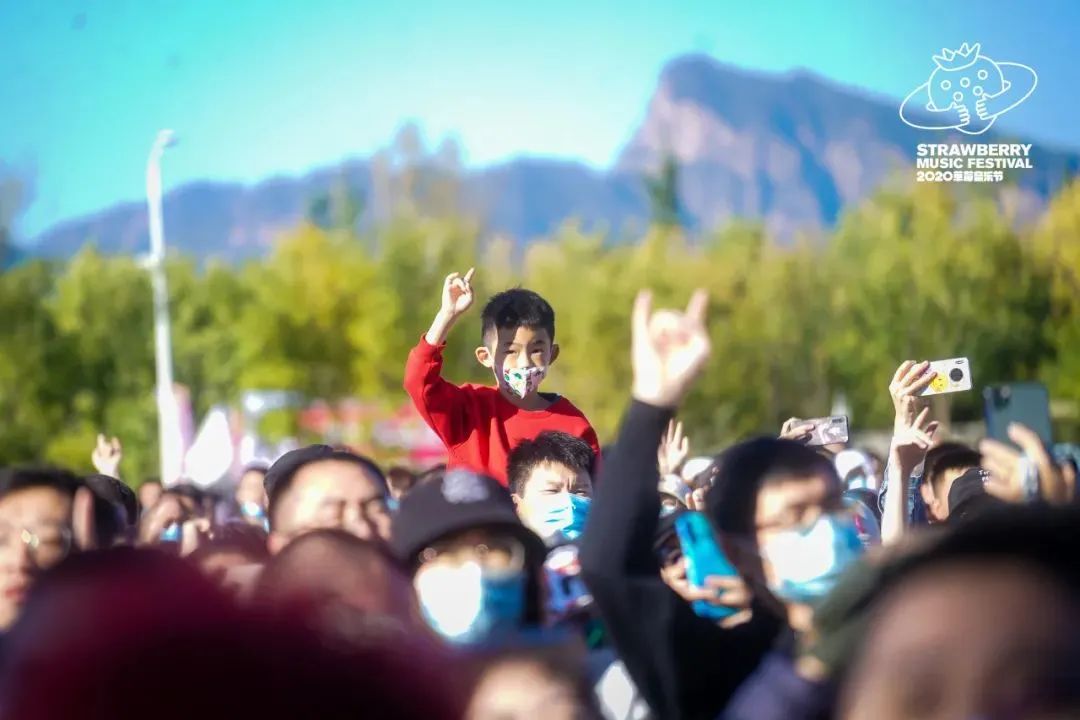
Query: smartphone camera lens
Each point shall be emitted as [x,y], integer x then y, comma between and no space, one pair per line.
[956,374]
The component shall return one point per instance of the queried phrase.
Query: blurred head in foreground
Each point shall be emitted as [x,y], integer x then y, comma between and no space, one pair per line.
[985,624]
[151,625]
[352,589]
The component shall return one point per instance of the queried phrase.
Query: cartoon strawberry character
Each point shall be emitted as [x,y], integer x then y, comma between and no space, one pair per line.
[967,91]
[961,79]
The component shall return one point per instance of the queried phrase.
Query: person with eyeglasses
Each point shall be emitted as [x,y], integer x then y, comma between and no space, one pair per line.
[35,531]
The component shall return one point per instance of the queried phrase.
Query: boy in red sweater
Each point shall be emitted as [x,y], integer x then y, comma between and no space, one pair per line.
[480,424]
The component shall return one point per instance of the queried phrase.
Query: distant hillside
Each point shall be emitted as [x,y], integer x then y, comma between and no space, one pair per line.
[792,150]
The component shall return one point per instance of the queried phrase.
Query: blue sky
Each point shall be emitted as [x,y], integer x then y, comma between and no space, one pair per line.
[259,87]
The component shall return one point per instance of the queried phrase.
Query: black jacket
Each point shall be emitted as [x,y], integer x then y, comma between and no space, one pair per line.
[684,665]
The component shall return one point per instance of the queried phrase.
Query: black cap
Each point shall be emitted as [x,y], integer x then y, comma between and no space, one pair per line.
[968,496]
[461,500]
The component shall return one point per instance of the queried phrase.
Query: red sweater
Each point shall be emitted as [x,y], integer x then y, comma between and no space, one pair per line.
[476,423]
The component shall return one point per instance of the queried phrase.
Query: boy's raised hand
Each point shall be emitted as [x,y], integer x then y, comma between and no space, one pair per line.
[668,349]
[457,297]
[457,294]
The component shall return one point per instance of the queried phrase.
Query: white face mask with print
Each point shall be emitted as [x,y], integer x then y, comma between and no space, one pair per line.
[522,382]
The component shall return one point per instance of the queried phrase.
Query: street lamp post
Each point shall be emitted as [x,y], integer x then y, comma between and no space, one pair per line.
[168,421]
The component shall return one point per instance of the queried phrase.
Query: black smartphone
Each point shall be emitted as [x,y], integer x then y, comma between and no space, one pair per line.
[1027,403]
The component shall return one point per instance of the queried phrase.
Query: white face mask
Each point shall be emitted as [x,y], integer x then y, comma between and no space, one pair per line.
[521,382]
[466,604]
[808,562]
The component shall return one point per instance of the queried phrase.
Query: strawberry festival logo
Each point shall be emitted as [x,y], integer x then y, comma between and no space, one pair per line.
[968,91]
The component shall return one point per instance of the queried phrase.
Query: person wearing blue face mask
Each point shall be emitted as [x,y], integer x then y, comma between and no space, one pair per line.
[477,571]
[551,483]
[250,495]
[780,513]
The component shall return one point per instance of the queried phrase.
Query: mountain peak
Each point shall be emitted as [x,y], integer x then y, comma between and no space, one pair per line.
[790,149]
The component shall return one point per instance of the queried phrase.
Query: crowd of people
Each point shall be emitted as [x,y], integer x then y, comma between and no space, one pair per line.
[539,575]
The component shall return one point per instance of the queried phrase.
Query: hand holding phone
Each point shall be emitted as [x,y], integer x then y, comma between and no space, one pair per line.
[1023,403]
[704,559]
[832,430]
[950,376]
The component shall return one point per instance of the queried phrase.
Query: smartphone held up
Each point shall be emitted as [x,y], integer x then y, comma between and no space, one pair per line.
[1022,403]
[950,376]
[704,558]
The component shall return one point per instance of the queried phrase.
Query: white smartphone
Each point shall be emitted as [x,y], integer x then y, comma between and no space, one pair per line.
[832,430]
[952,376]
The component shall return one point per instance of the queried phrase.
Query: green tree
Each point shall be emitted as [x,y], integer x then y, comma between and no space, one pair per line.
[13,200]
[663,191]
[1056,244]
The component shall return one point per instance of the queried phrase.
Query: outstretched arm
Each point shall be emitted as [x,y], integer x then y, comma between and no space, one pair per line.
[442,404]
[912,433]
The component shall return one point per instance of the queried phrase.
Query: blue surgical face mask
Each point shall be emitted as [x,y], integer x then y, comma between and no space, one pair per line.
[566,513]
[254,511]
[170,534]
[467,604]
[809,561]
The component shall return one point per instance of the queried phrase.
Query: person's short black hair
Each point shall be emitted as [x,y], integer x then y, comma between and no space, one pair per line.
[203,500]
[118,494]
[948,456]
[258,466]
[280,476]
[746,468]
[513,309]
[547,447]
[116,510]
[13,480]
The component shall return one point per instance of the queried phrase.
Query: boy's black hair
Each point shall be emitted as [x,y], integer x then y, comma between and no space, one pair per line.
[548,446]
[746,468]
[16,479]
[945,457]
[513,309]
